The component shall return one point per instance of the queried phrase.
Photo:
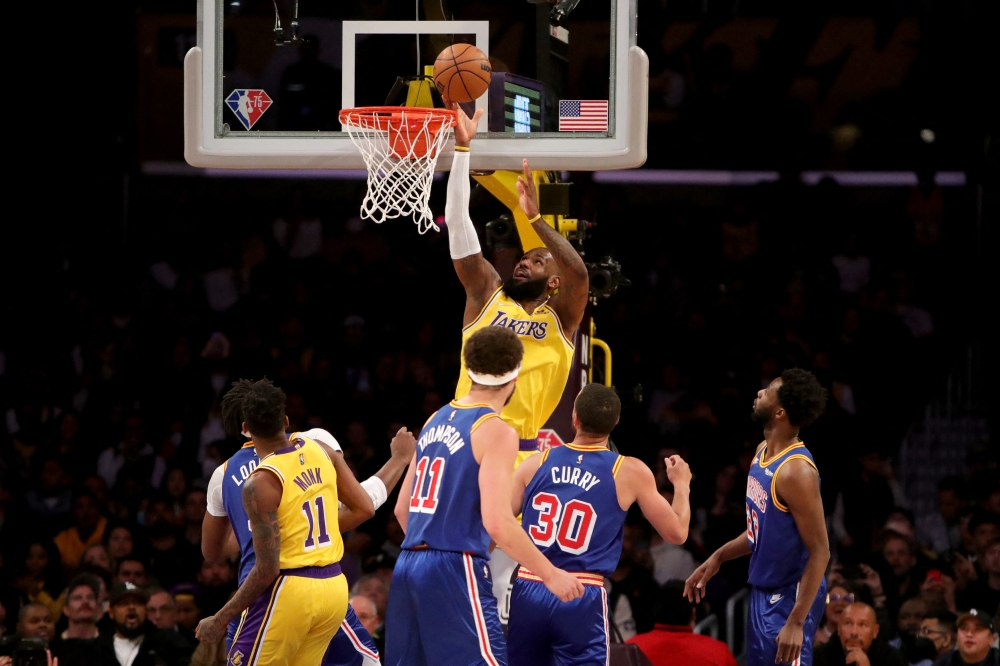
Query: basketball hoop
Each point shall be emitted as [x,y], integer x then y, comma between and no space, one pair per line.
[400,146]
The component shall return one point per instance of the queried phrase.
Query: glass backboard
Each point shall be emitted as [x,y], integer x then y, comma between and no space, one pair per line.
[568,90]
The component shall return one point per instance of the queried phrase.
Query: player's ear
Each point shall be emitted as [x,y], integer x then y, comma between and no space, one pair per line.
[554,282]
[286,422]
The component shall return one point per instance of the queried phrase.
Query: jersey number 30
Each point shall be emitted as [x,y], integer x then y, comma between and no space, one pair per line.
[425,500]
[570,525]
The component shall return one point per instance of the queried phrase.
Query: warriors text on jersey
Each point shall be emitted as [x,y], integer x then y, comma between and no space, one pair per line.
[778,555]
[548,357]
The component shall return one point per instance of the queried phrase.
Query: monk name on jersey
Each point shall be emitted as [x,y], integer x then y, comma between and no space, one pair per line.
[307,478]
[574,475]
[757,494]
[446,434]
[534,329]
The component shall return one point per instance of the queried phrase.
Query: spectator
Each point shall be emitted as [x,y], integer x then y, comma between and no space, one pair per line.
[195,505]
[35,621]
[918,650]
[82,608]
[366,611]
[77,645]
[88,530]
[135,641]
[974,647]
[187,605]
[984,591]
[939,628]
[672,640]
[40,580]
[162,612]
[217,579]
[632,585]
[119,541]
[940,530]
[376,589]
[855,642]
[900,553]
[837,599]
[96,557]
[132,453]
[130,570]
[174,559]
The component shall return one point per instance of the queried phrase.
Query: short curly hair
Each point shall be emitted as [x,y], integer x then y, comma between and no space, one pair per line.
[264,409]
[493,350]
[801,396]
[232,406]
[598,408]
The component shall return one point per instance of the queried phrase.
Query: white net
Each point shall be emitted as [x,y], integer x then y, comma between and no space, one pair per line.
[400,147]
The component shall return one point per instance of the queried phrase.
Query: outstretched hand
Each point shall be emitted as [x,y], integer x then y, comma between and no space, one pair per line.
[403,444]
[465,127]
[527,193]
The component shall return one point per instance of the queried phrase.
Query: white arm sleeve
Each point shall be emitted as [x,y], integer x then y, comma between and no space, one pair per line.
[462,238]
[376,490]
[215,506]
[321,435]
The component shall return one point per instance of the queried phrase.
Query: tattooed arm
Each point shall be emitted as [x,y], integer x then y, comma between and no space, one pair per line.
[261,496]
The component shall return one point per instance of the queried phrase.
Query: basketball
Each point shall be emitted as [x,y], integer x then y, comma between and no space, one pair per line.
[462,73]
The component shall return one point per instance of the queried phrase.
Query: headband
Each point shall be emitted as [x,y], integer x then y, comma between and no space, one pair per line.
[493,380]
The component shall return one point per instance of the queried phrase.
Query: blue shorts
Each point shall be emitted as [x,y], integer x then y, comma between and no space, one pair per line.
[768,611]
[352,645]
[543,630]
[442,611]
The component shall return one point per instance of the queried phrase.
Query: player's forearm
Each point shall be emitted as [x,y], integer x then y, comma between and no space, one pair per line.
[511,538]
[462,238]
[569,260]
[391,473]
[738,547]
[682,509]
[812,578]
[260,578]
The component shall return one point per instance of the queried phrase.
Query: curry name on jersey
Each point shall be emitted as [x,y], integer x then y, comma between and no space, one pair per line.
[778,554]
[445,508]
[571,509]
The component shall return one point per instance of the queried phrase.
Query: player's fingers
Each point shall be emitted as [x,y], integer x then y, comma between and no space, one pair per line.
[477,115]
[527,170]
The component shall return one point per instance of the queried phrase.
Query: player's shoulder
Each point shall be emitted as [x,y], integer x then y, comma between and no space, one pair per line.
[628,469]
[491,425]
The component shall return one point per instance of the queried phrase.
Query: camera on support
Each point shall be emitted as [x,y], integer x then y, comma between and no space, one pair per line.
[606,278]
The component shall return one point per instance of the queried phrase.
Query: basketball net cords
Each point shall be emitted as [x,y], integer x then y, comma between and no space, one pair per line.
[399,186]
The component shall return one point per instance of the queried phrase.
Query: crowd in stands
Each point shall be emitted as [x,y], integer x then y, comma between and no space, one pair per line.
[112,423]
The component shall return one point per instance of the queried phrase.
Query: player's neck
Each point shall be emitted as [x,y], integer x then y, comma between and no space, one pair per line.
[494,399]
[265,446]
[779,437]
[583,439]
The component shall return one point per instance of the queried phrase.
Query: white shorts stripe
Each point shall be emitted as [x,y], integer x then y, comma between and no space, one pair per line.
[477,612]
[607,629]
[356,641]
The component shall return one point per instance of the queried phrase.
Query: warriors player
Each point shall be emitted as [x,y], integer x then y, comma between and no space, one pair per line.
[786,530]
[543,303]
[294,598]
[226,531]
[573,500]
[454,499]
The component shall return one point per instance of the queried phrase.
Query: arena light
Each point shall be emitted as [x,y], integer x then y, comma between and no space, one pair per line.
[747,178]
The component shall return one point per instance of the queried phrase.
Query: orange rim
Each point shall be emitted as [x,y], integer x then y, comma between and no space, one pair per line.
[384,118]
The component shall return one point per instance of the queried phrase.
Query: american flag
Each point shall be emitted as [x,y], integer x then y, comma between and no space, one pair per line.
[583,115]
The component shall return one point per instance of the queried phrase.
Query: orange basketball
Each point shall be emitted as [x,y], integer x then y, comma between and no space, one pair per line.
[462,73]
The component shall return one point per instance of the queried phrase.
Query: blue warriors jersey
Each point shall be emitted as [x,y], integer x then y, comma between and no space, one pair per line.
[778,555]
[445,511]
[571,509]
[237,470]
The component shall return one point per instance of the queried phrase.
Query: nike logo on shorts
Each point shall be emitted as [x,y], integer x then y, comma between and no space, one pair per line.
[775,598]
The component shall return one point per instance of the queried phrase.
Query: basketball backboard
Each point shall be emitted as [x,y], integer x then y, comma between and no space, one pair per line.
[569,84]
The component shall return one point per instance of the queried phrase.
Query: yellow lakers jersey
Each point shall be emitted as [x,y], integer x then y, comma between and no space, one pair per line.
[307,513]
[548,357]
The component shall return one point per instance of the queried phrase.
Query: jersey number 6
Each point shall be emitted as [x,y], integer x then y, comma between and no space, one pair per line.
[570,525]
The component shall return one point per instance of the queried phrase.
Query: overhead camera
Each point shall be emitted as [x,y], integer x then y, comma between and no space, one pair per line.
[606,277]
[501,231]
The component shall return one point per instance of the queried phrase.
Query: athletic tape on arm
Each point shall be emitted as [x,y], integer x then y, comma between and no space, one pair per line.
[462,238]
[376,490]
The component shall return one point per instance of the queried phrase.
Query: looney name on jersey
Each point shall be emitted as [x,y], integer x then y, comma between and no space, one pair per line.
[574,475]
[446,434]
[532,329]
[244,472]
[757,494]
[308,478]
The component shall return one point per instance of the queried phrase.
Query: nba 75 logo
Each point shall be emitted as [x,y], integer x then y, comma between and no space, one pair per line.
[248,105]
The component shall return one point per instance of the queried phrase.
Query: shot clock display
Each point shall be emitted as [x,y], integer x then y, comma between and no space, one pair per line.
[516,104]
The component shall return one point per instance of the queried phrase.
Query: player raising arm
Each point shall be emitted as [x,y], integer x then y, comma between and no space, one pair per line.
[573,500]
[454,499]
[786,530]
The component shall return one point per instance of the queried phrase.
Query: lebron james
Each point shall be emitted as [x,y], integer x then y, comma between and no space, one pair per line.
[543,303]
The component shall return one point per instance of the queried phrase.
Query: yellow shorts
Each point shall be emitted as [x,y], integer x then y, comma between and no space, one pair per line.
[522,456]
[293,621]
